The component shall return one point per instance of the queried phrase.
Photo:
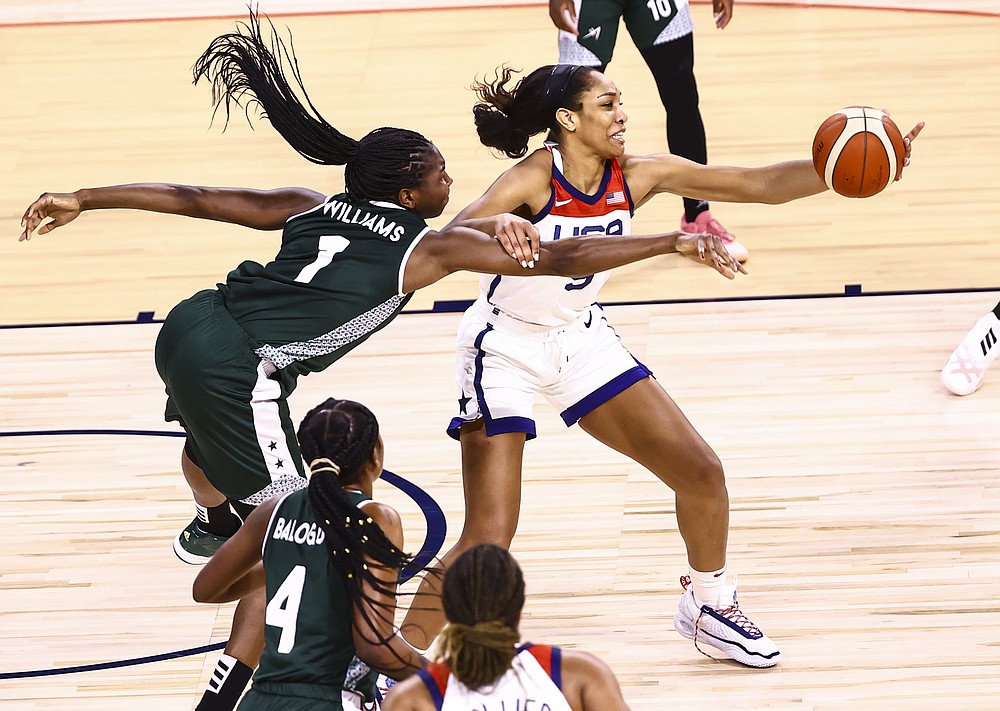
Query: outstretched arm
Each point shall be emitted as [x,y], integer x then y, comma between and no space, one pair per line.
[772,184]
[259,209]
[458,248]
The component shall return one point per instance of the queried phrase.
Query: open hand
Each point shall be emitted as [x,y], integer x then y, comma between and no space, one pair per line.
[61,207]
[711,251]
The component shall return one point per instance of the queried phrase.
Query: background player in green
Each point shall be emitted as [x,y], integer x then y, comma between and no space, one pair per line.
[331,558]
[663,32]
[230,356]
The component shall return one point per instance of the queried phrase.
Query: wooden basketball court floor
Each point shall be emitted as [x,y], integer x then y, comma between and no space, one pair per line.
[865,502]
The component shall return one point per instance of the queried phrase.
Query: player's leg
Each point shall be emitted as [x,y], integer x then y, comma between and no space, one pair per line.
[598,31]
[495,418]
[966,367]
[671,61]
[645,424]
[241,441]
[235,667]
[214,521]
[491,480]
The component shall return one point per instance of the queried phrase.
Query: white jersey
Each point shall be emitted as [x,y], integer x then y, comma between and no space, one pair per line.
[533,682]
[554,300]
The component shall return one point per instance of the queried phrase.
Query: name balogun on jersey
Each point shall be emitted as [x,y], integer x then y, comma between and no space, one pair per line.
[373,221]
[295,532]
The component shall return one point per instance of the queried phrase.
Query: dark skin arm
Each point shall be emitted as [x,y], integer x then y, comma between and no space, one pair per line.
[259,209]
[236,569]
[395,658]
[463,249]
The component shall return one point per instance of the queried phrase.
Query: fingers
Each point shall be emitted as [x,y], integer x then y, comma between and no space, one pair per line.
[907,143]
[33,216]
[563,15]
[723,262]
[712,251]
[520,240]
[569,22]
[29,222]
[722,12]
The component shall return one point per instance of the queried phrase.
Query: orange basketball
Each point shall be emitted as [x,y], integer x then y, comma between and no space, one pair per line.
[858,151]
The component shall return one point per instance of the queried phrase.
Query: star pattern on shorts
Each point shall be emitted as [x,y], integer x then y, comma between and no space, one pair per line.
[463,404]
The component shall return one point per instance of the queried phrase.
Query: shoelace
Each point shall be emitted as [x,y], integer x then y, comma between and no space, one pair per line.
[731,613]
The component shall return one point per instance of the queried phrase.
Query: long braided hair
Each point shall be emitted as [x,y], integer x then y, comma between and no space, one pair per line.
[247,69]
[336,438]
[482,595]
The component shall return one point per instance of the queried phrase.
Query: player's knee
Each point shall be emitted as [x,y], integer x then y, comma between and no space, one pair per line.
[703,474]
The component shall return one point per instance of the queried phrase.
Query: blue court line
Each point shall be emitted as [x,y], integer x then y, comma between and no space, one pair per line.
[459,305]
[437,529]
[114,665]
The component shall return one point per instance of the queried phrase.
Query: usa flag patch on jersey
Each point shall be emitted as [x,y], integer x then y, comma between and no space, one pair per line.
[616,197]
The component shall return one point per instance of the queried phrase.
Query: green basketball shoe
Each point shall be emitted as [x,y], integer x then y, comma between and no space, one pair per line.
[195,545]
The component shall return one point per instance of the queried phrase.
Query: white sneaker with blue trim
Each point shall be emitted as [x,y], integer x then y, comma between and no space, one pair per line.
[727,629]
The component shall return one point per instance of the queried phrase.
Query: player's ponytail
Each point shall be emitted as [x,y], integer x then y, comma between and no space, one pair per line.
[482,595]
[506,117]
[247,69]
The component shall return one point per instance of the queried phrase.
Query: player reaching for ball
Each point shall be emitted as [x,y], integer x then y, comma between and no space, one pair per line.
[549,336]
[858,151]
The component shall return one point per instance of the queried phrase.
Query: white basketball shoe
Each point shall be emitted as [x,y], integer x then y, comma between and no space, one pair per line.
[966,368]
[727,629]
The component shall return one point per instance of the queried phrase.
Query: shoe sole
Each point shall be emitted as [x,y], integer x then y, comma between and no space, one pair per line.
[187,556]
[731,649]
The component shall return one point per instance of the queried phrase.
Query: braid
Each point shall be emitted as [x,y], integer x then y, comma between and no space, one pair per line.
[342,431]
[339,436]
[388,160]
[482,595]
[245,69]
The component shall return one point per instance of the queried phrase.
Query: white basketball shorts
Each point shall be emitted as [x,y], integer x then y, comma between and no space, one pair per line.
[503,362]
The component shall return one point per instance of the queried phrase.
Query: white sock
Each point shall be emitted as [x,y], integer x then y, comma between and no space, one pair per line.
[708,587]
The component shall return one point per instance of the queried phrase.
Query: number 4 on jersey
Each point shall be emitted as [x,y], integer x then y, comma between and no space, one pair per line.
[283,608]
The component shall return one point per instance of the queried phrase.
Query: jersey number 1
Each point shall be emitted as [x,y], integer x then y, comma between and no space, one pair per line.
[329,247]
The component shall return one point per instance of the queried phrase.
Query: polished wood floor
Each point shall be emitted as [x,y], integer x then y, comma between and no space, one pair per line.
[865,497]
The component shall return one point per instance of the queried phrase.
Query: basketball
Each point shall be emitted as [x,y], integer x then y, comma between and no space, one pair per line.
[858,151]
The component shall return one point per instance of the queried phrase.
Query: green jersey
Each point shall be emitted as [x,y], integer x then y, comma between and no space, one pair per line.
[337,279]
[308,640]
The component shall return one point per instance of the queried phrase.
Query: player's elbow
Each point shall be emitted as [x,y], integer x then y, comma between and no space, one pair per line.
[201,591]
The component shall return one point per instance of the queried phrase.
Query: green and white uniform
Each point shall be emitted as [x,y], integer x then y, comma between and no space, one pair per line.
[308,642]
[230,356]
[649,23]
